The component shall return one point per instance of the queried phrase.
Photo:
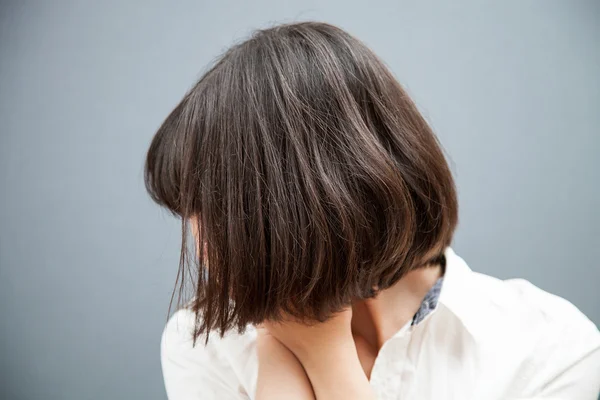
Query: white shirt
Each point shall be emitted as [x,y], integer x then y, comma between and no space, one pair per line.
[487,339]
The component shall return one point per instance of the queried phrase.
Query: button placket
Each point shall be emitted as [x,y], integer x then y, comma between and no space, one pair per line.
[389,367]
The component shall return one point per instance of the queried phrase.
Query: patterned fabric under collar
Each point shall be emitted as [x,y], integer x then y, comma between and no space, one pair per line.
[429,302]
[431,298]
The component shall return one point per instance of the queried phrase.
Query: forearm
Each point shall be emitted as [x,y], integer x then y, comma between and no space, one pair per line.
[280,374]
[327,352]
[338,374]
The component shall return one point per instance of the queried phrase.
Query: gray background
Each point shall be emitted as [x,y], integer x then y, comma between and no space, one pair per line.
[87,262]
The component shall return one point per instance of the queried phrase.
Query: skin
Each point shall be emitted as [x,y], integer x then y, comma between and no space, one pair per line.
[334,359]
[280,374]
[326,352]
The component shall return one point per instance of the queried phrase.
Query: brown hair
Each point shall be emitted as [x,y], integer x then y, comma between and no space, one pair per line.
[315,179]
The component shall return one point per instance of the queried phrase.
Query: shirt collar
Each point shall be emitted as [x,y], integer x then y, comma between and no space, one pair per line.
[456,280]
[456,295]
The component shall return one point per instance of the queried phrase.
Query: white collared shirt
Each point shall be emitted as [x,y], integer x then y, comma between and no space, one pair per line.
[487,339]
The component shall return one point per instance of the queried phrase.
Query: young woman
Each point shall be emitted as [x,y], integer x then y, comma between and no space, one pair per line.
[322,209]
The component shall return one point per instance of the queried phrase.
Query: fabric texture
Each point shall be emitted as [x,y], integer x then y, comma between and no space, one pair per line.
[475,337]
[429,302]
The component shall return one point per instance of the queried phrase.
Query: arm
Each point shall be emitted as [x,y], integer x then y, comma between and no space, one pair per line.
[328,354]
[338,374]
[280,374]
[565,363]
[570,370]
[579,381]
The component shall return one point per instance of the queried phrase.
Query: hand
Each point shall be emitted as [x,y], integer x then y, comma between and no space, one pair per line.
[310,341]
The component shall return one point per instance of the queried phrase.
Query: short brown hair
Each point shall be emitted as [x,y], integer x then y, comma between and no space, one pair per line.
[315,178]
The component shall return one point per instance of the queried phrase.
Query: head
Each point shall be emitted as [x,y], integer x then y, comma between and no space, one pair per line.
[309,175]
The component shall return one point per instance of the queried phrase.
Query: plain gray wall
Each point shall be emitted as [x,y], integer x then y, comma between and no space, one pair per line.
[87,262]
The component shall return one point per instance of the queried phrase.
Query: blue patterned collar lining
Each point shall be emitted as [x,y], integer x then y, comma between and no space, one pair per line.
[429,302]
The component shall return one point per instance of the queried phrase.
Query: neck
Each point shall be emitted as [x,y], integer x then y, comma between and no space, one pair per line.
[377,319]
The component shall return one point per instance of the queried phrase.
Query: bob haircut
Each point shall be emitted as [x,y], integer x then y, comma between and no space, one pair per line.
[310,175]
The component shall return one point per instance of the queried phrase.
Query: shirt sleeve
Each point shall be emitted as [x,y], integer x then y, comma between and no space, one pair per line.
[578,381]
[566,362]
[573,371]
[199,372]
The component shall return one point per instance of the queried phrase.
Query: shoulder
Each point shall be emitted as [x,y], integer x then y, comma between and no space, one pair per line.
[485,304]
[555,345]
[544,341]
[517,304]
[222,368]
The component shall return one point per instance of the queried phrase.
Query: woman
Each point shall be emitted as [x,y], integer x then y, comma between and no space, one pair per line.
[322,209]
